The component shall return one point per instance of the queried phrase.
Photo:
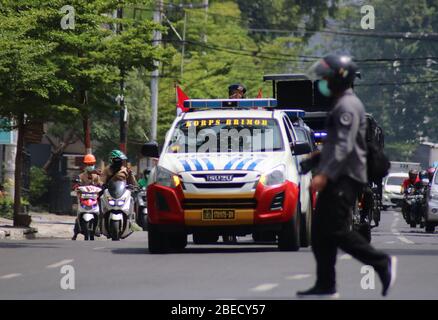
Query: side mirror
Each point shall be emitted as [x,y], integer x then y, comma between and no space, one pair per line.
[150,150]
[299,148]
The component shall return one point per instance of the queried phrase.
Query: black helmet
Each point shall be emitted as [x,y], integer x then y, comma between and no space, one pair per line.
[339,70]
[236,87]
[413,174]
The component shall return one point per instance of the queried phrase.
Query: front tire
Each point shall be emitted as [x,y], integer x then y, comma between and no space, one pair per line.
[114,229]
[158,243]
[430,228]
[289,236]
[305,227]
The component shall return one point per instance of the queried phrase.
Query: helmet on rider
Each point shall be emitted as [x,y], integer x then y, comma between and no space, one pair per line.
[413,174]
[336,73]
[89,161]
[236,91]
[116,158]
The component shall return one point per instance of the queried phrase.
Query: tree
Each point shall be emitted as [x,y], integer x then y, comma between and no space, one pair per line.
[54,74]
[398,85]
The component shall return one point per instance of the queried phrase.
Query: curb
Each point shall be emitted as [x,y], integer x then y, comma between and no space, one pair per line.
[18,233]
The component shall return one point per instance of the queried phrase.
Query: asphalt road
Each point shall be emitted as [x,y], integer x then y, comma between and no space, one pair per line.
[125,270]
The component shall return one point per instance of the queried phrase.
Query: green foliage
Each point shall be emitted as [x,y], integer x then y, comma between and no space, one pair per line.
[39,182]
[407,109]
[6,208]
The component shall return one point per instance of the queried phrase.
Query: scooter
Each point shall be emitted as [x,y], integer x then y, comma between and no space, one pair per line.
[88,211]
[141,209]
[117,207]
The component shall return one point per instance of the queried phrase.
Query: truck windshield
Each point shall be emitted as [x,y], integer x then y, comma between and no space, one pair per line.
[226,135]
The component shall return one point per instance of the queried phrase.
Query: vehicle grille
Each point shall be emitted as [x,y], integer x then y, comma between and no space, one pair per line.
[190,204]
[218,185]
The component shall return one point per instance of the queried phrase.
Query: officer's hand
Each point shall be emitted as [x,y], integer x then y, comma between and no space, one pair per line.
[319,182]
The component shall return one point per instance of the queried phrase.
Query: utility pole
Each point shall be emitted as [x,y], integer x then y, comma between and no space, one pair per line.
[121,98]
[183,44]
[205,5]
[155,73]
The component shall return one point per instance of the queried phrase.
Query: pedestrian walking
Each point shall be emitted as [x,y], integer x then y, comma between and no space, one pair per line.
[341,175]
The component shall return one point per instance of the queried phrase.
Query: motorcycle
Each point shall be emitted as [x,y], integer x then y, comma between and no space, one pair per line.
[117,211]
[141,209]
[415,200]
[87,211]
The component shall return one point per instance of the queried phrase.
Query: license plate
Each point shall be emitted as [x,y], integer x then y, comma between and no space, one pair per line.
[219,177]
[218,214]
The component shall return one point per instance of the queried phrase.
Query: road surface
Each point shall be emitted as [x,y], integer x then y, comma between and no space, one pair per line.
[125,270]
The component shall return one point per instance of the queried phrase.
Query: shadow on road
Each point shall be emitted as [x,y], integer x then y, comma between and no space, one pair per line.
[27,244]
[205,250]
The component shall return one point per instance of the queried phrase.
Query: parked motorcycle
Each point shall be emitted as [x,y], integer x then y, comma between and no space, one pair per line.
[117,210]
[141,217]
[87,211]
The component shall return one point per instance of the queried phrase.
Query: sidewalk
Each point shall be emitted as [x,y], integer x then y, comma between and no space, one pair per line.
[44,225]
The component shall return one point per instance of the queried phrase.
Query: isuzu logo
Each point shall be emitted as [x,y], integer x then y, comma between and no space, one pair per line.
[219,177]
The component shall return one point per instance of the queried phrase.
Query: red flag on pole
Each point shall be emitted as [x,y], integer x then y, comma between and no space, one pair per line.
[260,95]
[180,98]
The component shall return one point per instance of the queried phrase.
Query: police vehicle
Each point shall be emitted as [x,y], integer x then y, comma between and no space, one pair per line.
[227,167]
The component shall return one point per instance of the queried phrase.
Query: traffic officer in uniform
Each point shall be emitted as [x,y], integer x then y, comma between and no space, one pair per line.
[341,175]
[236,91]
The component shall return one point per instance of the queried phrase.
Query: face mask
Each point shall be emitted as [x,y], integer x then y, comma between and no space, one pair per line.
[89,168]
[324,89]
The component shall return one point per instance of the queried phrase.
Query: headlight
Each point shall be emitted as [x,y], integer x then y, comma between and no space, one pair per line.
[274,177]
[166,178]
[112,203]
[120,203]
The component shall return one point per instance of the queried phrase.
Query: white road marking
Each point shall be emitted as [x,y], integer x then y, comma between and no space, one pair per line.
[396,214]
[405,240]
[11,275]
[390,242]
[59,264]
[265,287]
[98,248]
[346,257]
[298,277]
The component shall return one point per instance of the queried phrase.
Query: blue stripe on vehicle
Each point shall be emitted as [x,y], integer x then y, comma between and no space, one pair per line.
[209,164]
[186,165]
[242,163]
[230,164]
[197,165]
[254,164]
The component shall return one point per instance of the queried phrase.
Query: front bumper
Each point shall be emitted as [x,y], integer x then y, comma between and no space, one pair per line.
[392,199]
[263,209]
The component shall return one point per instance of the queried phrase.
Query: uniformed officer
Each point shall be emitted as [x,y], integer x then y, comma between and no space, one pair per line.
[236,91]
[341,174]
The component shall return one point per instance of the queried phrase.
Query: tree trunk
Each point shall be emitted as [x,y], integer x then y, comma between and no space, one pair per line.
[20,220]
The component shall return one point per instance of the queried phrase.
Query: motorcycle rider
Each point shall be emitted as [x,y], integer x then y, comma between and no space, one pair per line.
[117,171]
[407,184]
[430,173]
[90,176]
[143,182]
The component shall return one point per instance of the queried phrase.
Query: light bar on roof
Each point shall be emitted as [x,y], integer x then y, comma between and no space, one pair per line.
[295,113]
[230,103]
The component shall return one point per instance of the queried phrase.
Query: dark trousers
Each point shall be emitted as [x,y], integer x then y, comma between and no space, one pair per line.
[331,229]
